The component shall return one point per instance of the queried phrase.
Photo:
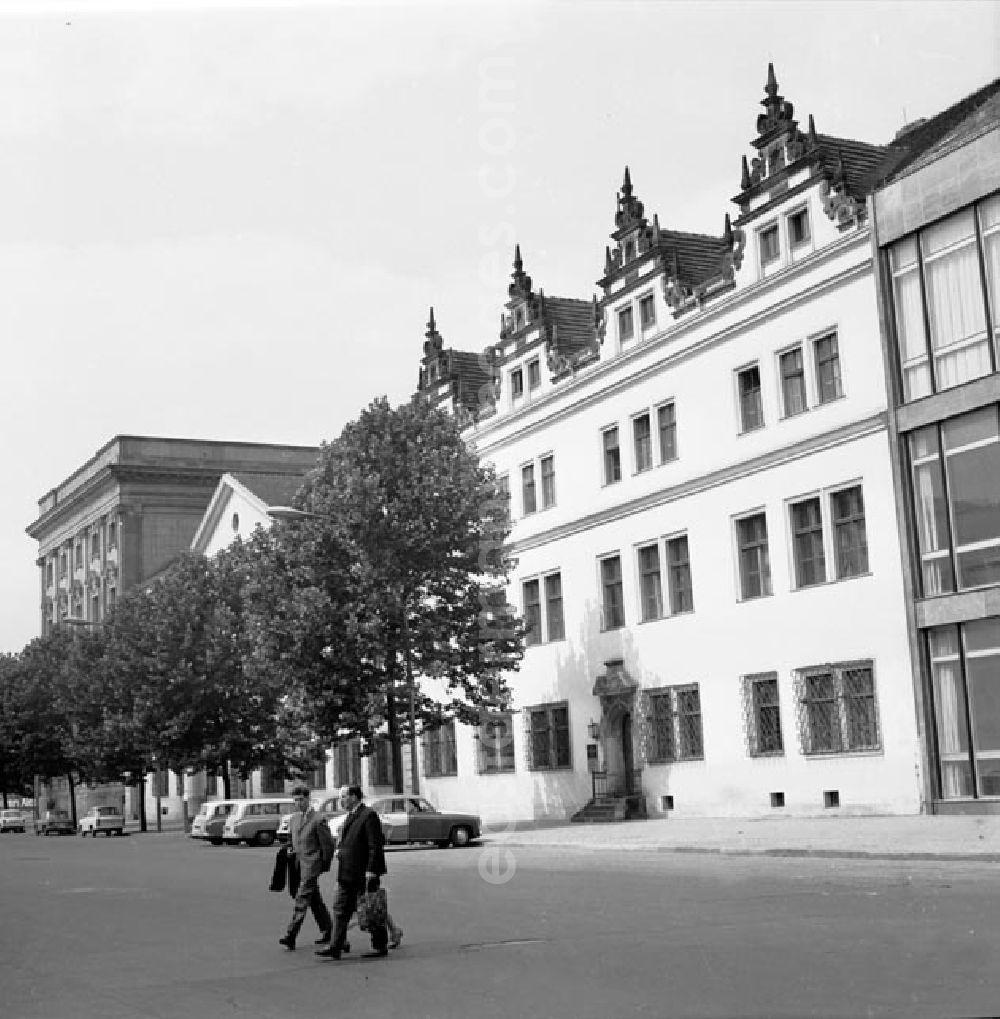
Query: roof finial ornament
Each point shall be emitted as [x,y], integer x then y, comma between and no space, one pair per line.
[727,232]
[434,343]
[518,264]
[812,131]
[520,281]
[771,88]
[745,176]
[627,185]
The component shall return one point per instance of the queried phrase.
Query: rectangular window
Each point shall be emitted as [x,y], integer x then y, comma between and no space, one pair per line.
[548,737]
[751,403]
[503,492]
[650,584]
[548,481]
[496,744]
[837,708]
[793,382]
[611,585]
[271,782]
[931,502]
[78,554]
[679,575]
[807,542]
[827,358]
[666,421]
[755,566]
[674,724]
[612,456]
[347,763]
[528,501]
[762,714]
[626,327]
[516,384]
[798,228]
[112,534]
[770,251]
[317,778]
[161,782]
[850,540]
[95,546]
[440,758]
[534,375]
[647,312]
[554,607]
[643,442]
[911,336]
[211,784]
[972,465]
[532,613]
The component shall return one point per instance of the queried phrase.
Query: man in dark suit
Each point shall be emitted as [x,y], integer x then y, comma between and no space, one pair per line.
[311,847]
[361,859]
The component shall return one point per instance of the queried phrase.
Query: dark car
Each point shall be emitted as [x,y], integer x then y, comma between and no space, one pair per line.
[55,822]
[408,819]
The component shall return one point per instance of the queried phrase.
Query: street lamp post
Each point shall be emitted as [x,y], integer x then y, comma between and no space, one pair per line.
[291,513]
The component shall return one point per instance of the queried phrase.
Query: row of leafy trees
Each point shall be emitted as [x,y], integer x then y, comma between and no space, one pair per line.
[307,633]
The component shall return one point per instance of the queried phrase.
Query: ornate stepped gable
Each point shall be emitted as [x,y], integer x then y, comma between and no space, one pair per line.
[844,166]
[466,374]
[693,266]
[565,326]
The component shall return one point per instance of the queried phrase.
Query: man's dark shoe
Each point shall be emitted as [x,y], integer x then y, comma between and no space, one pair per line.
[324,937]
[288,941]
[328,953]
[375,953]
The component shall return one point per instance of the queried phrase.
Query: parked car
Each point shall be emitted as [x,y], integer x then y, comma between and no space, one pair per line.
[210,819]
[55,822]
[106,819]
[11,820]
[255,822]
[407,819]
[330,808]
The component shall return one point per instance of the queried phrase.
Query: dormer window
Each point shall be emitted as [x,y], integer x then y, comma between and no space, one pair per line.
[775,159]
[519,318]
[798,229]
[534,375]
[516,384]
[629,251]
[626,326]
[432,370]
[647,312]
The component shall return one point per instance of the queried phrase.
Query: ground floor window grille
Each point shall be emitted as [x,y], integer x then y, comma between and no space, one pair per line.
[211,784]
[381,766]
[439,750]
[496,744]
[271,783]
[837,708]
[547,742]
[762,715]
[347,763]
[674,730]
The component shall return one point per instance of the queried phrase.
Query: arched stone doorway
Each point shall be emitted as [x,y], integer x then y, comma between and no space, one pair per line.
[616,690]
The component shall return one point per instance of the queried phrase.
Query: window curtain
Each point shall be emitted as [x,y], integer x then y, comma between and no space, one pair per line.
[950,708]
[955,301]
[931,521]
[989,213]
[910,320]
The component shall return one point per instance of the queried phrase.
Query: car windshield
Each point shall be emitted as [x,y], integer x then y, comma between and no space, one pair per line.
[12,813]
[106,811]
[58,815]
[415,805]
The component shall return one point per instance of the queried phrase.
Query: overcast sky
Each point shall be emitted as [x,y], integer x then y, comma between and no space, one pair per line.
[228,220]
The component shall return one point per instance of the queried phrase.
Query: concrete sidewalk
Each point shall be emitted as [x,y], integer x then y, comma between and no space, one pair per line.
[921,837]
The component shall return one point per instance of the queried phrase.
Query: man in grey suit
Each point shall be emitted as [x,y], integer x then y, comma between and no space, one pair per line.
[312,847]
[361,862]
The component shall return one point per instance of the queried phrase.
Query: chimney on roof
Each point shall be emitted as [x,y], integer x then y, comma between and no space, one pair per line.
[907,128]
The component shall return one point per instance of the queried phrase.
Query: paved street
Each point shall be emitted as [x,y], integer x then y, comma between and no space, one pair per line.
[159,926]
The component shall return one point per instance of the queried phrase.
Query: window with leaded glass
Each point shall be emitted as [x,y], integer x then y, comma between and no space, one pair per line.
[763,714]
[554,607]
[675,728]
[807,542]
[548,734]
[613,597]
[666,420]
[612,456]
[679,575]
[755,567]
[837,708]
[440,758]
[850,540]
[548,465]
[826,354]
[532,612]
[528,501]
[650,584]
[643,442]
[793,382]
[496,744]
[751,402]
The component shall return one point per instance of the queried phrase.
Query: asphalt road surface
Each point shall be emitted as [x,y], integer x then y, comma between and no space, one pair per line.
[161,926]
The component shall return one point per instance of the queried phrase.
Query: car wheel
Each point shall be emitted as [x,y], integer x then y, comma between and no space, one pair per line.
[443,843]
[460,836]
[215,842]
[264,838]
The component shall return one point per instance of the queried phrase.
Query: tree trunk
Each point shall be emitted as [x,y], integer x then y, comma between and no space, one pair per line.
[397,750]
[72,798]
[141,787]
[226,781]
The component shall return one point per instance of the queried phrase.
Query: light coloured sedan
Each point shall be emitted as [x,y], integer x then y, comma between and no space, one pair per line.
[11,820]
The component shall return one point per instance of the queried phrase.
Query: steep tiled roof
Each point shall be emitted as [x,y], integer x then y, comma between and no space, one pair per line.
[271,489]
[468,376]
[948,129]
[857,160]
[698,256]
[572,321]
